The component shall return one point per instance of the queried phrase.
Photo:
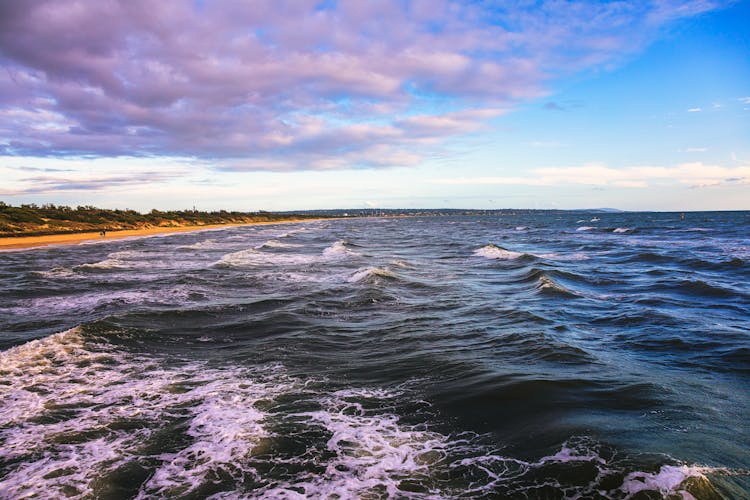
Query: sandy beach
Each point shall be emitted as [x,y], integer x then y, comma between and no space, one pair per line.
[24,242]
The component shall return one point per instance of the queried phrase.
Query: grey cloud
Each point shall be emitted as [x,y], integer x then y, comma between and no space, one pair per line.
[233,80]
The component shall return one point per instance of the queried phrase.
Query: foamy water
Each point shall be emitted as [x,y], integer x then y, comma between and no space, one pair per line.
[433,357]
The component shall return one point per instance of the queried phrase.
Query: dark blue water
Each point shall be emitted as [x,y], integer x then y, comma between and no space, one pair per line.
[518,355]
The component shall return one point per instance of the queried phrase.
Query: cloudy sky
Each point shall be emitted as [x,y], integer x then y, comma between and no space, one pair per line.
[282,105]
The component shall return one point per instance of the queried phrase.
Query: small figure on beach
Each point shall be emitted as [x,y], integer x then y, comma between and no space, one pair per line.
[103,233]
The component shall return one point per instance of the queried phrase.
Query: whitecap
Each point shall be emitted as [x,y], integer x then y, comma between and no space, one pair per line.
[337,250]
[252,257]
[277,244]
[622,230]
[368,273]
[548,285]
[57,272]
[491,251]
[585,228]
[202,245]
[522,228]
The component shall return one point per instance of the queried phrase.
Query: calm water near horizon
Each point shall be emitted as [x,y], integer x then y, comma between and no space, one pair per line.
[529,355]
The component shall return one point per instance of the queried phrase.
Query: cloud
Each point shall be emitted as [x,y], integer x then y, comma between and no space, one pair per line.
[48,184]
[744,100]
[103,174]
[300,85]
[694,175]
[696,150]
[694,110]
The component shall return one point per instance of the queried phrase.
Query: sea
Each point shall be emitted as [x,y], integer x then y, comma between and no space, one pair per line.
[517,354]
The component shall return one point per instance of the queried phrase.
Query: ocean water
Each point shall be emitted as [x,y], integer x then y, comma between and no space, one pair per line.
[513,355]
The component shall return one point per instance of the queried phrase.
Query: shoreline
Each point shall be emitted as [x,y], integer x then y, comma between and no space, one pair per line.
[8,243]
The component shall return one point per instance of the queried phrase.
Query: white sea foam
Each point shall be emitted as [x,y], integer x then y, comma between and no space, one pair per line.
[86,302]
[126,259]
[337,250]
[522,228]
[278,244]
[74,409]
[97,387]
[256,256]
[57,272]
[209,244]
[571,454]
[585,228]
[372,450]
[368,273]
[622,230]
[225,427]
[495,252]
[252,257]
[668,481]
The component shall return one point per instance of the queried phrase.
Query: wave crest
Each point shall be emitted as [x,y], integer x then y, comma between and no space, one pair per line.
[491,251]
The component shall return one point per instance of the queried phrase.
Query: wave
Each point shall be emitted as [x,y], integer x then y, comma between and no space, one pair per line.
[57,272]
[401,263]
[369,273]
[88,302]
[202,245]
[278,244]
[522,228]
[585,228]
[547,286]
[372,451]
[698,287]
[622,230]
[669,480]
[106,264]
[125,259]
[81,411]
[338,249]
[256,256]
[491,251]
[575,256]
[252,257]
[113,404]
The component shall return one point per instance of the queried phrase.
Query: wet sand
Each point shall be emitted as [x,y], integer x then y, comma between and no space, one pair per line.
[23,242]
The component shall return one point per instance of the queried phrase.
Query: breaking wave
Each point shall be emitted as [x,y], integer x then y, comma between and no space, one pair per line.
[369,273]
[491,251]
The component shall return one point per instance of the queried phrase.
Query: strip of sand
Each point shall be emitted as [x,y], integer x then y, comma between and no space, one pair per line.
[22,242]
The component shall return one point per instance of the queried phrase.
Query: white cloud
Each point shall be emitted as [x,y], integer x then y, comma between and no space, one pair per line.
[744,100]
[694,110]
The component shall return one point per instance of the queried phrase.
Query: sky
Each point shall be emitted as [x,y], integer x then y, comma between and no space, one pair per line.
[310,104]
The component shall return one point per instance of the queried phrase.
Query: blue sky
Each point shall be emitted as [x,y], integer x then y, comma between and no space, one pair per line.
[637,105]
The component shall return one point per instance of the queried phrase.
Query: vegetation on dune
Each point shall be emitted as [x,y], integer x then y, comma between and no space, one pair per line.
[33,220]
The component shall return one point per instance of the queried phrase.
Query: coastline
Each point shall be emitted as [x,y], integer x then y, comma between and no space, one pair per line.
[30,242]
